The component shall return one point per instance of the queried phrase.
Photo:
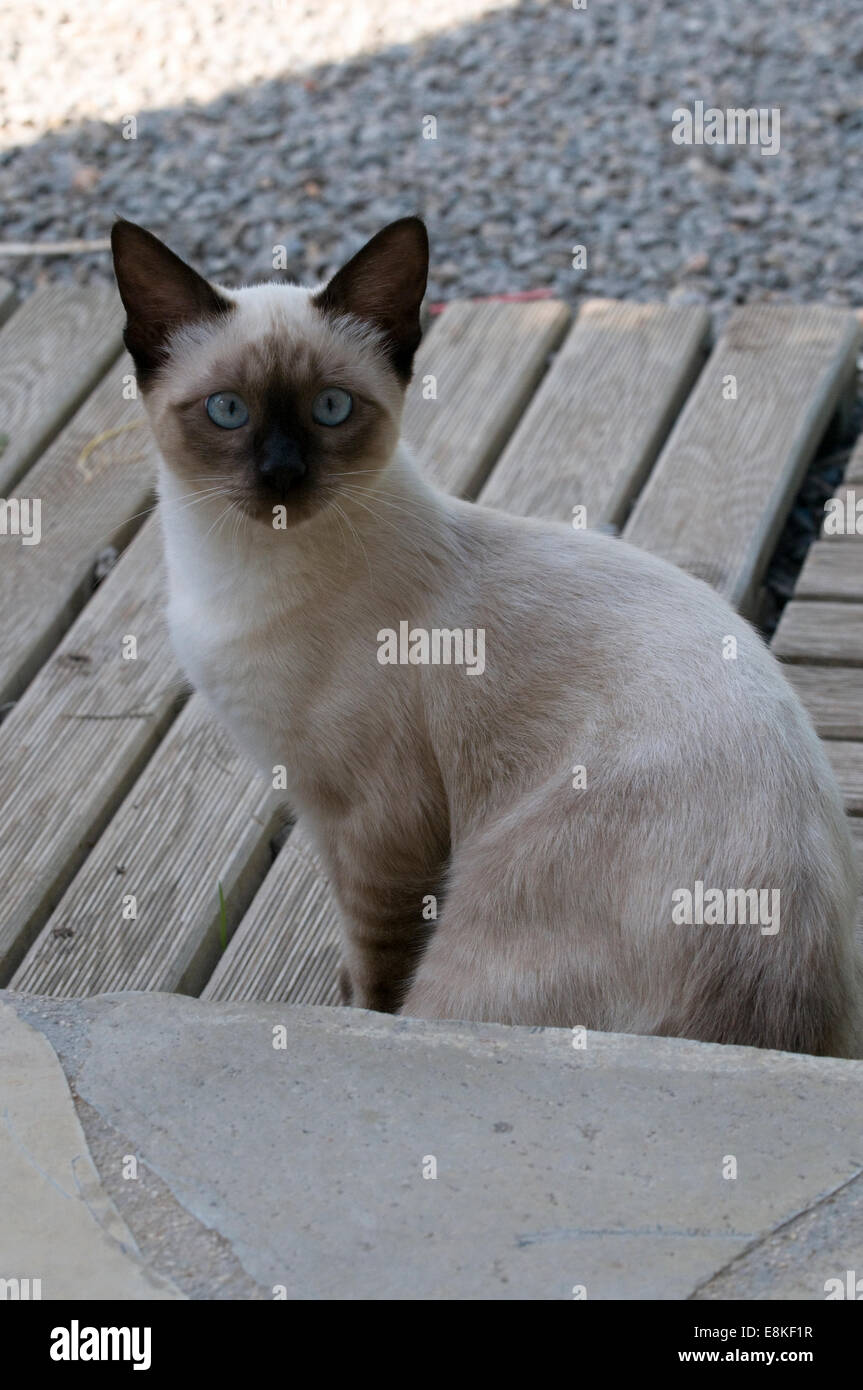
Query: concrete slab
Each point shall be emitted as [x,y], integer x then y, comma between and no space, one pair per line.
[284,1148]
[61,1237]
[827,1240]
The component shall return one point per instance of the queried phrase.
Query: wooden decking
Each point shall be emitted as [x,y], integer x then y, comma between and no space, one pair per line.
[114,784]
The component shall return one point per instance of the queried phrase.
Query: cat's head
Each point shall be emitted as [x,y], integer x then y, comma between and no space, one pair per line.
[277,391]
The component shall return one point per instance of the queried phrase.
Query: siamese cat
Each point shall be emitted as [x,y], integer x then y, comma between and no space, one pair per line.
[621,827]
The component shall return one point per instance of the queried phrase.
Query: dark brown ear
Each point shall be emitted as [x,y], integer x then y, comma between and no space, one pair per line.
[159,292]
[384,284]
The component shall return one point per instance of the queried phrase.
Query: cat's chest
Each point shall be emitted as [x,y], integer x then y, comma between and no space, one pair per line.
[243,675]
[207,643]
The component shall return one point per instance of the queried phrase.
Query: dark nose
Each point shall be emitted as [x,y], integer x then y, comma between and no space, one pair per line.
[281,465]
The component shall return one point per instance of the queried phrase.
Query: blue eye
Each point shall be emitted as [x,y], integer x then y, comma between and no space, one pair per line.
[227,410]
[332,406]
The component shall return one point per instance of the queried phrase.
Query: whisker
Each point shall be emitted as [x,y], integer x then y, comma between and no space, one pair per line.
[239,524]
[219,518]
[339,516]
[380,519]
[195,501]
[359,540]
[230,508]
[384,502]
[392,497]
[146,511]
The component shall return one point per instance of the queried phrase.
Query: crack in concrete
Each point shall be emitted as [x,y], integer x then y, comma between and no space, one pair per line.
[572,1233]
[171,1240]
[775,1231]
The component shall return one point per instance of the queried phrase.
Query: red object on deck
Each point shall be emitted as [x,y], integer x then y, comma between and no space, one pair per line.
[518,297]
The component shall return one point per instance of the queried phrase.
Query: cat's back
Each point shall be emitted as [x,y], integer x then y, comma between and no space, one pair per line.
[627,619]
[606,648]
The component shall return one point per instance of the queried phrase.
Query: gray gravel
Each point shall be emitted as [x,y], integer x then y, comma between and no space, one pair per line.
[554,129]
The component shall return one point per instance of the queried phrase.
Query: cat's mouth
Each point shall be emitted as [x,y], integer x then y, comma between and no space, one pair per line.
[281,508]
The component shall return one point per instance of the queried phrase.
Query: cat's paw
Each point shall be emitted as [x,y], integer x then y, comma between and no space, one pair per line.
[346,989]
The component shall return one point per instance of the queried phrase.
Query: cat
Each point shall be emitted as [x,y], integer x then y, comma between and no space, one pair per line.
[298,533]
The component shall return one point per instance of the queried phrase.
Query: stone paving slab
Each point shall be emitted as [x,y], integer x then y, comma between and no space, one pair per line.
[300,1166]
[57,1224]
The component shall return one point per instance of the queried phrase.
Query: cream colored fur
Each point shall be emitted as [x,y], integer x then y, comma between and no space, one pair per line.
[554,903]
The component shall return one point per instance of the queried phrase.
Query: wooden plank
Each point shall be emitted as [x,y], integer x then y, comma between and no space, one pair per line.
[88,499]
[832,572]
[55,349]
[485,359]
[723,485]
[596,425]
[287,947]
[833,695]
[73,745]
[813,631]
[170,849]
[168,865]
[846,759]
[8,300]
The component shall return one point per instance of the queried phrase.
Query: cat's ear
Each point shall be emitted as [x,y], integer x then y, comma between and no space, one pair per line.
[384,284]
[159,292]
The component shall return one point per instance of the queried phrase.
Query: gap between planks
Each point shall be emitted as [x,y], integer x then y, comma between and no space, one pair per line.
[8,300]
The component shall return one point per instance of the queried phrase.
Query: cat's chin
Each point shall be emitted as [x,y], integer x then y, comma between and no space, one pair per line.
[284,515]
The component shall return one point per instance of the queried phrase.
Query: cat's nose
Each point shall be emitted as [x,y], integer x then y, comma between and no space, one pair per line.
[281,466]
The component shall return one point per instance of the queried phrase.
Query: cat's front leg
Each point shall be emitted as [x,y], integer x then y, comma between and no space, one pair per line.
[380,956]
[387,875]
[346,989]
[387,897]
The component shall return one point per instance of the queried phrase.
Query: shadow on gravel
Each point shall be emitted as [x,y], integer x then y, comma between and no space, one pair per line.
[553,130]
